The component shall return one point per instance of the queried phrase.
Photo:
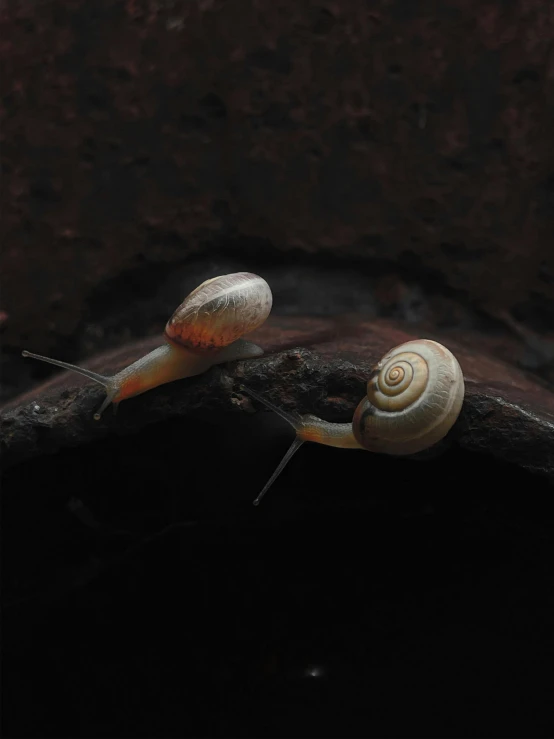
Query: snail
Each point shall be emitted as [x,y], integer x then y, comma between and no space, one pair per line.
[203,331]
[414,396]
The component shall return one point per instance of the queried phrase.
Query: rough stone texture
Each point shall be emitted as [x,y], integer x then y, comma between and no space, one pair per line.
[137,133]
[311,365]
[143,594]
[138,305]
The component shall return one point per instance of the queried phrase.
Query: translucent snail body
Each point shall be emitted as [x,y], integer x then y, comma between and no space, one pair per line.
[414,396]
[203,331]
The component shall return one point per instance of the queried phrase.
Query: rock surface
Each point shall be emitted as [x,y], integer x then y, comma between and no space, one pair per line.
[143,594]
[311,366]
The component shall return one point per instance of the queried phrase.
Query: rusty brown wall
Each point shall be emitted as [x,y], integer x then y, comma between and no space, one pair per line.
[141,132]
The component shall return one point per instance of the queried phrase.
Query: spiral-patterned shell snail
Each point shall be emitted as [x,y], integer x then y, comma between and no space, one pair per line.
[203,331]
[414,396]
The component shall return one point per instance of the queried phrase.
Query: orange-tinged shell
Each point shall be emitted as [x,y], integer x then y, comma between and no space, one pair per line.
[414,396]
[220,311]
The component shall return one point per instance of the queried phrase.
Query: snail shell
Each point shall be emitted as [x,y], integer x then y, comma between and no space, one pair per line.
[220,311]
[414,396]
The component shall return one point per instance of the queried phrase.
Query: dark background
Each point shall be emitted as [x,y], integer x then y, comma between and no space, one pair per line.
[138,134]
[387,159]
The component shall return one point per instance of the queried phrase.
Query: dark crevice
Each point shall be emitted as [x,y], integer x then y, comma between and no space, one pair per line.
[359,575]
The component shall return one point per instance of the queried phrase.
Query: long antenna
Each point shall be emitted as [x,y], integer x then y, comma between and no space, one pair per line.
[294,447]
[288,417]
[100,379]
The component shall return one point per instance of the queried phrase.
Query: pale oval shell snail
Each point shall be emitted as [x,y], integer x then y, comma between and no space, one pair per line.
[203,331]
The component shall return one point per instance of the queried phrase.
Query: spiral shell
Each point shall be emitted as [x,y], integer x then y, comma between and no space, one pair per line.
[220,311]
[414,396]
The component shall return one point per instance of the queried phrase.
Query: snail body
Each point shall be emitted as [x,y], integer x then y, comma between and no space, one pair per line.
[203,331]
[414,396]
